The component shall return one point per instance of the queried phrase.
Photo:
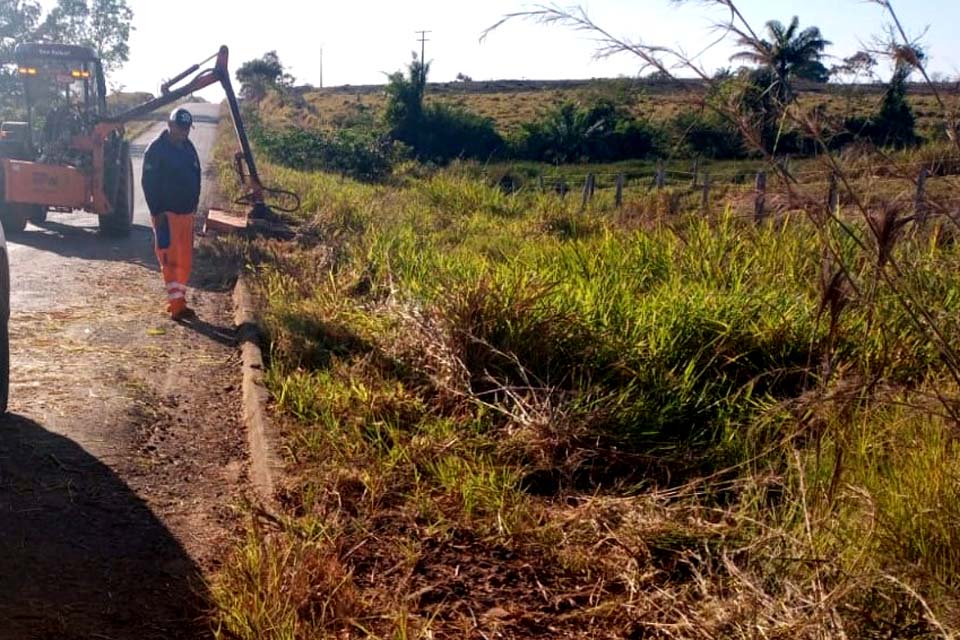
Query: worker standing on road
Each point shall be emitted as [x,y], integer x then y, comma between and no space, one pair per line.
[171,185]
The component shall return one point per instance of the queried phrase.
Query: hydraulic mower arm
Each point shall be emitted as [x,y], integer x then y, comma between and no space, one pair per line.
[170,93]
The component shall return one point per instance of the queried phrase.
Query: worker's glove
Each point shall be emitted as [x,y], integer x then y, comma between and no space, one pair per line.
[161,229]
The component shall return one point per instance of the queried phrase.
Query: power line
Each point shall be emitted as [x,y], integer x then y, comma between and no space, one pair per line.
[423,60]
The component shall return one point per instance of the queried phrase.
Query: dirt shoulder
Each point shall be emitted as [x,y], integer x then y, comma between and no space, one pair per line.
[123,456]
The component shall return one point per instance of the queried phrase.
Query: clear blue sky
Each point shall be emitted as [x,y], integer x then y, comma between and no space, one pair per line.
[361,39]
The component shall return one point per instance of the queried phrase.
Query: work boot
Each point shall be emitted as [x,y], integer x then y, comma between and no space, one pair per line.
[183,314]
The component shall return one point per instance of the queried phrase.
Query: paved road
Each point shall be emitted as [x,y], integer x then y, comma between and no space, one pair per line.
[122,454]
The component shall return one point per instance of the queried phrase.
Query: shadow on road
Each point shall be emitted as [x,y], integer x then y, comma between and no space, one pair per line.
[226,336]
[86,243]
[81,555]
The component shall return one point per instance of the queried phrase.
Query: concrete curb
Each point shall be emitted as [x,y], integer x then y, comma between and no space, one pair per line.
[265,463]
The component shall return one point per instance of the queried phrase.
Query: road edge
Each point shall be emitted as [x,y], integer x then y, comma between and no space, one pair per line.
[265,463]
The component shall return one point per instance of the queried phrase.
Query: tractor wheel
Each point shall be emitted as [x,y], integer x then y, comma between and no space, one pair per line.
[38,214]
[118,222]
[13,219]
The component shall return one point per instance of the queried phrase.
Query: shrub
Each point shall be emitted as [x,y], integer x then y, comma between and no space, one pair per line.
[708,136]
[359,153]
[358,115]
[602,132]
[447,132]
[894,124]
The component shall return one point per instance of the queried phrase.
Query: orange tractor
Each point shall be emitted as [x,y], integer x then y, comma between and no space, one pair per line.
[70,154]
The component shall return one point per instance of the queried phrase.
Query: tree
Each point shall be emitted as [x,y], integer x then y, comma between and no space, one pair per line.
[660,75]
[859,65]
[18,20]
[404,112]
[895,123]
[259,75]
[436,133]
[788,55]
[939,77]
[103,25]
[722,74]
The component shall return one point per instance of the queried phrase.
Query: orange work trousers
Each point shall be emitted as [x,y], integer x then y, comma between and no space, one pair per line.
[173,243]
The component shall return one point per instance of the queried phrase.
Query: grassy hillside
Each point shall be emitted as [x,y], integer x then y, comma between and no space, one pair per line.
[506,417]
[511,103]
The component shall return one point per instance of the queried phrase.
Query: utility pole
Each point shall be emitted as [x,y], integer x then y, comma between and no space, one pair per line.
[321,66]
[423,60]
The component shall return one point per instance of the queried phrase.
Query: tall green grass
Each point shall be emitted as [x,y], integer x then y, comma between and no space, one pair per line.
[469,359]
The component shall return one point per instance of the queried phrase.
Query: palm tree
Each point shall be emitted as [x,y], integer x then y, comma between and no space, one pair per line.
[787,56]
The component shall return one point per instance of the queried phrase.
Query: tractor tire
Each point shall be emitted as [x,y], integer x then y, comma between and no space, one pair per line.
[119,221]
[38,215]
[13,219]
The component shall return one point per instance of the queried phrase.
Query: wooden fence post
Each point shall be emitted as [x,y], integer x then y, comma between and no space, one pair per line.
[761,201]
[587,191]
[661,178]
[920,203]
[833,196]
[540,183]
[618,197]
[562,187]
[696,171]
[705,198]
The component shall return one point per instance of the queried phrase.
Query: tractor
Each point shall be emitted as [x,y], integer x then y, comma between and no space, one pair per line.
[58,159]
[70,154]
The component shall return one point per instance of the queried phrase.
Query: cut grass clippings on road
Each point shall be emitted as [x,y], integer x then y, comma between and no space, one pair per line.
[505,417]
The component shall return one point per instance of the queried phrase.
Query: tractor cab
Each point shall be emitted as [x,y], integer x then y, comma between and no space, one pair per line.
[65,94]
[56,159]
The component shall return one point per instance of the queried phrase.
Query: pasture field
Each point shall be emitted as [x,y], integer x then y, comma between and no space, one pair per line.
[510,104]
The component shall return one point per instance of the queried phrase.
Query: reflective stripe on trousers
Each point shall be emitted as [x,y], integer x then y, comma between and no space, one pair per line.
[176,259]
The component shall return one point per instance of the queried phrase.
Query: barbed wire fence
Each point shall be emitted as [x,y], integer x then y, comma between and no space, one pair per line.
[925,185]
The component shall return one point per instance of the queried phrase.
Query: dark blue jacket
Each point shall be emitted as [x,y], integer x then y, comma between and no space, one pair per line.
[171,176]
